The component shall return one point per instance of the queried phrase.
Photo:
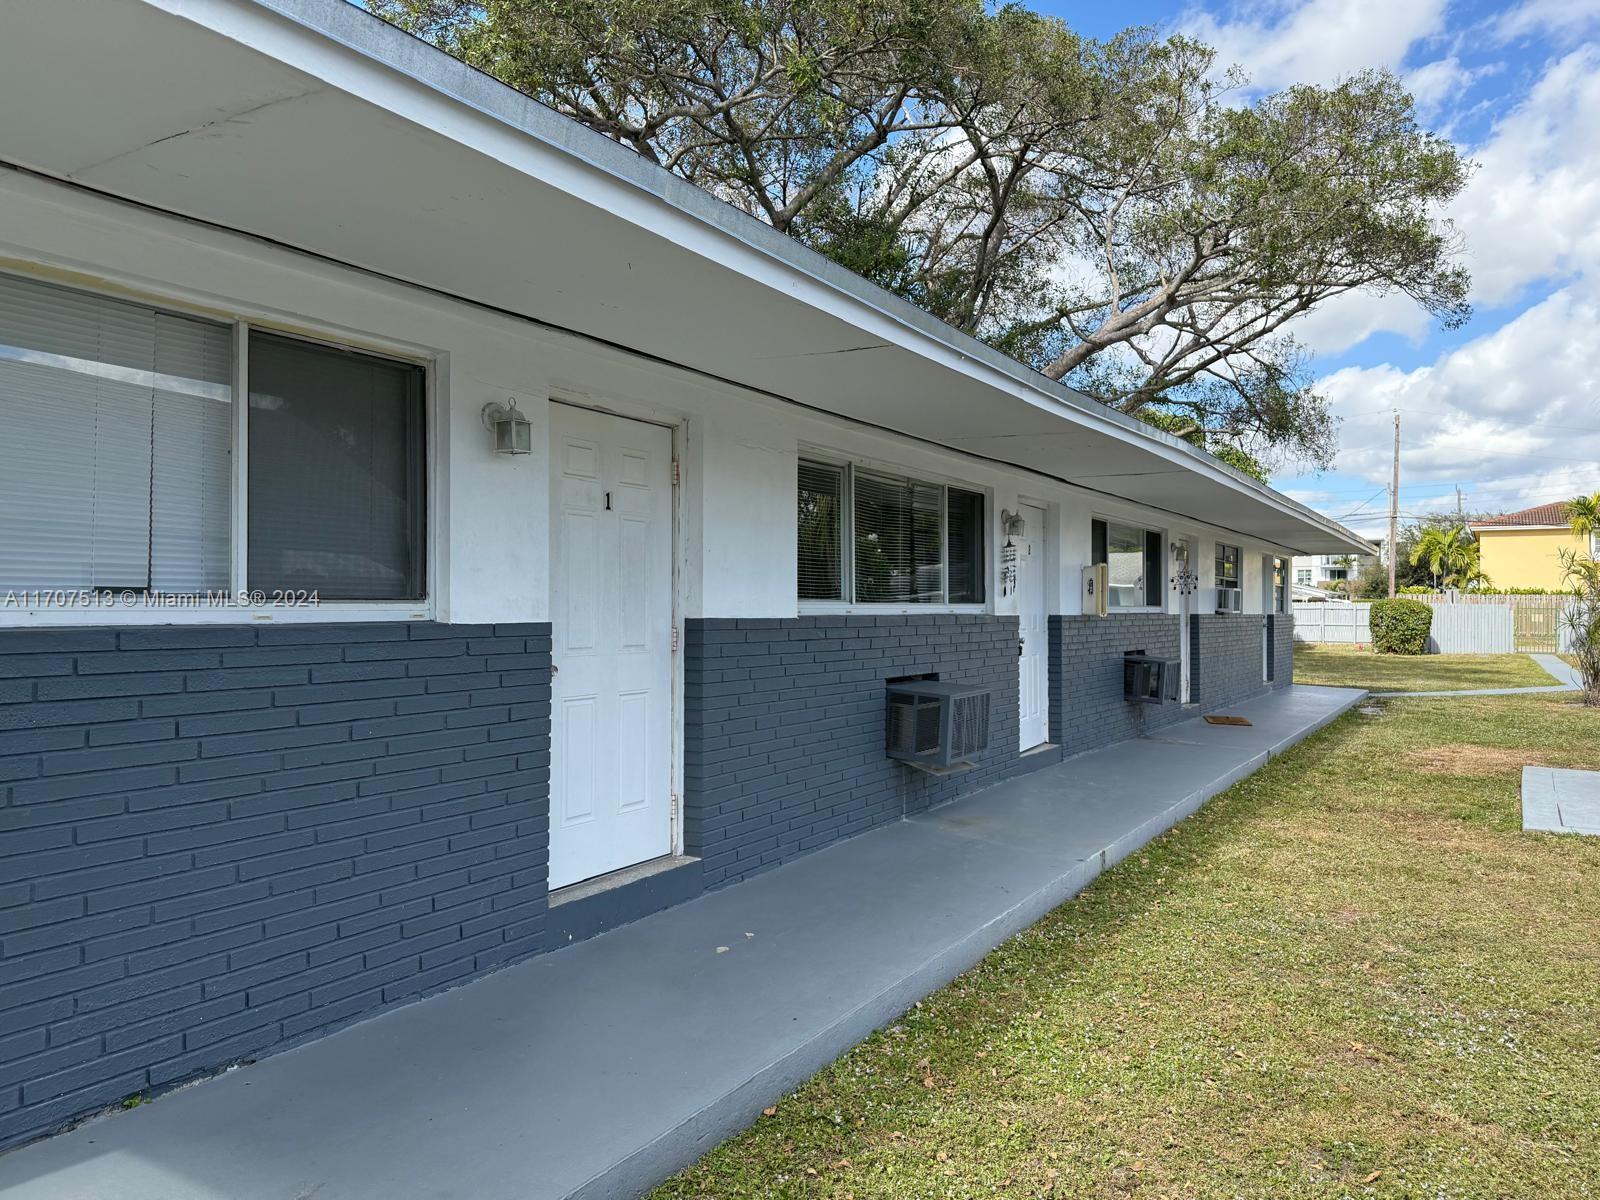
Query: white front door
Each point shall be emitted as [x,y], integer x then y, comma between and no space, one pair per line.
[1183,579]
[1034,662]
[611,608]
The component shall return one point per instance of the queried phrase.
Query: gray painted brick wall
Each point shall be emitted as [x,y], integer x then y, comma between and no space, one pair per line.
[1226,658]
[216,841]
[784,728]
[1087,709]
[1282,649]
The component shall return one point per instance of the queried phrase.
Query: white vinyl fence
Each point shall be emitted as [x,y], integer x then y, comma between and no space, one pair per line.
[1321,621]
[1457,628]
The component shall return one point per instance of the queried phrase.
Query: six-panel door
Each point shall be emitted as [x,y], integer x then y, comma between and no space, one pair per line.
[611,608]
[1033,681]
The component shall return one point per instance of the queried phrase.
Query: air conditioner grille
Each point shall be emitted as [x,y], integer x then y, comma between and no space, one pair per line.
[969,725]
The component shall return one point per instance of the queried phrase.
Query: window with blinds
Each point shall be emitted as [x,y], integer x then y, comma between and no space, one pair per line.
[1132,556]
[910,541]
[115,433]
[821,532]
[117,423]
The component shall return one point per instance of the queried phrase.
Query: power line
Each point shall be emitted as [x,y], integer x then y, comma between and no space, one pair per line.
[1456,412]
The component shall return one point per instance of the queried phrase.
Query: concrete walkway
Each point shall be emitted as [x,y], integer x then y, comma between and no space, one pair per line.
[1569,680]
[1558,800]
[600,1069]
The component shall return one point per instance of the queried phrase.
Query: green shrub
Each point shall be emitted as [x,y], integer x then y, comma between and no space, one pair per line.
[1416,590]
[1400,626]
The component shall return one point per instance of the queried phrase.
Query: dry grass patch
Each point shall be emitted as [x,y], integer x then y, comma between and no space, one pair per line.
[1463,759]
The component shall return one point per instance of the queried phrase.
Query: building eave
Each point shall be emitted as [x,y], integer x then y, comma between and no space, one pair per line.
[255,86]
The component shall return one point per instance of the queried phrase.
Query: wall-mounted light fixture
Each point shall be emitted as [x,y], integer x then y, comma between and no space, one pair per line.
[1013,524]
[513,432]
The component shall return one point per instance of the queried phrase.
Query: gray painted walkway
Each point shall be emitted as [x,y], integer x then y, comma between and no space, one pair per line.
[598,1070]
[1569,680]
[1557,800]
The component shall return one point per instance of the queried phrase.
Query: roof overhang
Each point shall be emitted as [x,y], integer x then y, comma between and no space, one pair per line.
[314,124]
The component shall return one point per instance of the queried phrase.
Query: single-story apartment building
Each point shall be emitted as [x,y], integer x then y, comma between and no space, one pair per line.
[433,534]
[1523,549]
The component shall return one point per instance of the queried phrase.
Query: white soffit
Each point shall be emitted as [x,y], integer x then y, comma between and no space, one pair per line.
[312,123]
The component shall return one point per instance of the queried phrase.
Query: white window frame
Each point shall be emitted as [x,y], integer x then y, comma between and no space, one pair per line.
[16,614]
[849,467]
[1238,560]
[1161,558]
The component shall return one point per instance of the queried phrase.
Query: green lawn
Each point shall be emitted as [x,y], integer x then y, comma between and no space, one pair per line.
[1345,666]
[1350,975]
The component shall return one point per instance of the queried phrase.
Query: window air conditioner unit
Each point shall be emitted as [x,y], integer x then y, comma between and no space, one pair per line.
[1230,600]
[1149,680]
[1096,590]
[938,727]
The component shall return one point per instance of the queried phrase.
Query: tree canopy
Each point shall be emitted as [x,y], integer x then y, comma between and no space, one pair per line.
[1115,213]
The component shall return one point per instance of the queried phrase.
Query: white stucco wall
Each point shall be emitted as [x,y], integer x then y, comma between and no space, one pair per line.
[489,515]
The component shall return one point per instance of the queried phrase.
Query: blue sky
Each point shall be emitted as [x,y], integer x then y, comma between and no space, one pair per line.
[1507,408]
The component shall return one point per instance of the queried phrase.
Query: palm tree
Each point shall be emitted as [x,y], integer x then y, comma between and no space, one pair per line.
[1437,548]
[1583,514]
[1582,620]
[1468,572]
[1452,557]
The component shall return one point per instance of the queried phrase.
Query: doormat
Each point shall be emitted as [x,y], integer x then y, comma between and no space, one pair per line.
[1213,719]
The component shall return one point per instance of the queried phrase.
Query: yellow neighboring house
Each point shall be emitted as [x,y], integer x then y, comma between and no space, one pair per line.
[1522,549]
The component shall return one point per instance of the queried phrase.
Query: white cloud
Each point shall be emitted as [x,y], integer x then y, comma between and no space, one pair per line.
[1514,414]
[1548,16]
[1350,319]
[1439,84]
[1319,41]
[1532,212]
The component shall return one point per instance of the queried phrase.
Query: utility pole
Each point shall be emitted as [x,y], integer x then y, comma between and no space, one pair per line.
[1394,505]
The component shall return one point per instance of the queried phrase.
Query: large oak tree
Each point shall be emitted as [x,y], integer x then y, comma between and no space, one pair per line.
[1119,214]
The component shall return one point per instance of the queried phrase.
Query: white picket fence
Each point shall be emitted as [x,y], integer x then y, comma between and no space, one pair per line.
[1457,628]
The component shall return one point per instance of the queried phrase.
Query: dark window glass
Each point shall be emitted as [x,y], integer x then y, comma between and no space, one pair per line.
[966,533]
[1097,552]
[336,471]
[821,531]
[898,526]
[1152,568]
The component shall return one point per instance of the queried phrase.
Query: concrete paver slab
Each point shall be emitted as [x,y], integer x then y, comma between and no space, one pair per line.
[1561,801]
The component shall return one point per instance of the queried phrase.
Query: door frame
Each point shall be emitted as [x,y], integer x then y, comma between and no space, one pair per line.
[1185,612]
[1050,596]
[680,572]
